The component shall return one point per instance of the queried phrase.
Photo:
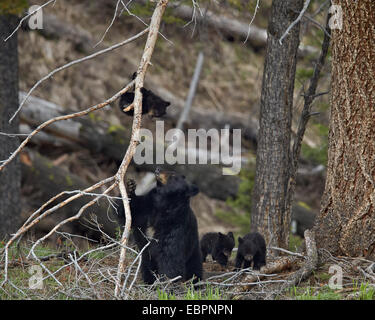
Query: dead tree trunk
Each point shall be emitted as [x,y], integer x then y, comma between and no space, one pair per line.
[268,214]
[346,223]
[10,179]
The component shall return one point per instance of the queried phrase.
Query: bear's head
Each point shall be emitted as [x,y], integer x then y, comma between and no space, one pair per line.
[172,189]
[227,242]
[152,104]
[247,248]
[223,248]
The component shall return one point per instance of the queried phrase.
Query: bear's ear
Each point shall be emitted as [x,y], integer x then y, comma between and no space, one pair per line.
[240,240]
[230,235]
[221,235]
[193,190]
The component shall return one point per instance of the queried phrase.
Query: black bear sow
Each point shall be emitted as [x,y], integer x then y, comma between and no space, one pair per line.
[175,249]
[251,248]
[218,245]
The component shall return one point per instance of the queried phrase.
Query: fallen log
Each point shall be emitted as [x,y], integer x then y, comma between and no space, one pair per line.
[277,266]
[53,28]
[200,118]
[309,266]
[230,27]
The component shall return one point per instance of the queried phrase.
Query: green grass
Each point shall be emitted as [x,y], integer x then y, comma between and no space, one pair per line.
[162,295]
[366,292]
[209,293]
[308,293]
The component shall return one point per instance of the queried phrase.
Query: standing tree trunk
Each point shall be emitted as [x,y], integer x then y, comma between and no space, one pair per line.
[10,177]
[268,215]
[346,223]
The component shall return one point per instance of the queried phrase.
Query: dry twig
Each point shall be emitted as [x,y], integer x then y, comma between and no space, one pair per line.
[139,80]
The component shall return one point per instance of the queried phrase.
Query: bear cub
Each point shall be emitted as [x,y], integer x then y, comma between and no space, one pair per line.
[251,249]
[218,245]
[151,103]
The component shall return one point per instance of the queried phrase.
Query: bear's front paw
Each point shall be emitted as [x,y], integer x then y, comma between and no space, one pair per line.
[131,185]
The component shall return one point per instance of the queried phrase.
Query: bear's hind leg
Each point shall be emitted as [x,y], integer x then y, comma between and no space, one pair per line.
[193,267]
[259,261]
[149,267]
[239,260]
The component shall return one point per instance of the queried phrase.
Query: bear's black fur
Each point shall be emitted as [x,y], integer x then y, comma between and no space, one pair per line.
[218,245]
[174,248]
[142,210]
[251,248]
[151,103]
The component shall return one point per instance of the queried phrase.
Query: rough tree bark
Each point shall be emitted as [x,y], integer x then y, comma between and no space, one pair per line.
[10,179]
[346,223]
[268,215]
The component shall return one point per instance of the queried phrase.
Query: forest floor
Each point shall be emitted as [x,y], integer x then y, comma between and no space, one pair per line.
[78,276]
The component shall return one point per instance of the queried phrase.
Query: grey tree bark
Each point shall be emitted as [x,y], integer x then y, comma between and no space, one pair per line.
[346,223]
[268,215]
[10,178]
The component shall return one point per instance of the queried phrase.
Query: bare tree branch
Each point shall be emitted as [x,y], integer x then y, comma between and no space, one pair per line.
[139,80]
[110,25]
[305,116]
[305,6]
[251,21]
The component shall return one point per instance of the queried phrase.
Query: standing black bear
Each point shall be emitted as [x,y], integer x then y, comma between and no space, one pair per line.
[218,245]
[174,249]
[251,248]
